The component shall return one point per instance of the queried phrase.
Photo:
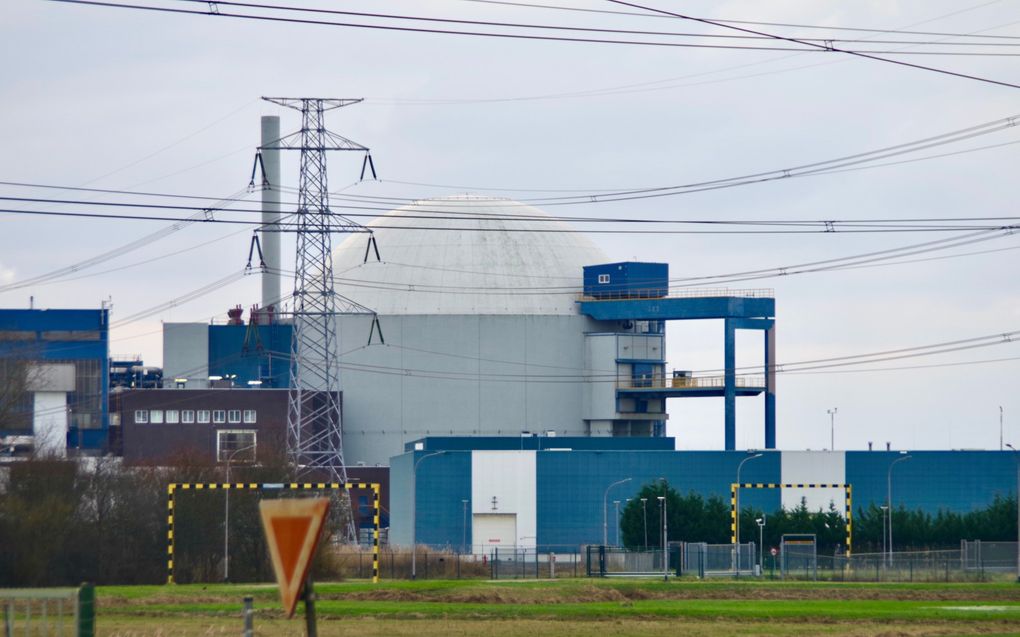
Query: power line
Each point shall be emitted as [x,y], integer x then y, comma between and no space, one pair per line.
[215,11]
[440,214]
[825,47]
[822,167]
[759,23]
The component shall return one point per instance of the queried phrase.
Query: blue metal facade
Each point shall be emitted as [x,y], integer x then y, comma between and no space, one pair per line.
[80,337]
[572,479]
[957,481]
[251,353]
[571,485]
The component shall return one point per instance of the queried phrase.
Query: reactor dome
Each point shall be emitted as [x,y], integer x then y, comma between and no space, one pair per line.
[466,254]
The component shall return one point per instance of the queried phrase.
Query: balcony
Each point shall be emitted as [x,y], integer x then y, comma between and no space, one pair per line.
[689,386]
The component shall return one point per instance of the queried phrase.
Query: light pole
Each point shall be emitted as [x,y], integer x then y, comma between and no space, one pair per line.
[616,504]
[665,534]
[889,499]
[832,428]
[885,512]
[1016,458]
[761,542]
[1000,429]
[736,503]
[414,512]
[226,515]
[463,537]
[644,516]
[605,511]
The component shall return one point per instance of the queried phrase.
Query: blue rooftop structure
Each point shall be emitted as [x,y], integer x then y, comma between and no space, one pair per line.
[633,292]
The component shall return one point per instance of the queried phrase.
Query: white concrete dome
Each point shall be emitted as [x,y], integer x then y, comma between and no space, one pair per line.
[482,262]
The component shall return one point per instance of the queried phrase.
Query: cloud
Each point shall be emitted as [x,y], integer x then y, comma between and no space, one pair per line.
[6,275]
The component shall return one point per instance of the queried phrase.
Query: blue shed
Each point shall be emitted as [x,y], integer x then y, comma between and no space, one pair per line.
[626,280]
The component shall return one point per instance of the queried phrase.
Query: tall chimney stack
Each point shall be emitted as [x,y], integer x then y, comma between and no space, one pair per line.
[271,211]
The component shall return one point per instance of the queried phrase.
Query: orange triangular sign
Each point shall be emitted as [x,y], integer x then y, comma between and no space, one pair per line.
[292,529]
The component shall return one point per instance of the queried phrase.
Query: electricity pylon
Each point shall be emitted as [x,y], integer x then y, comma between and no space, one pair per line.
[314,421]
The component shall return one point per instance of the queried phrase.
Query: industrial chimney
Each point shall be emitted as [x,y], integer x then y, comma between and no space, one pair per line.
[271,211]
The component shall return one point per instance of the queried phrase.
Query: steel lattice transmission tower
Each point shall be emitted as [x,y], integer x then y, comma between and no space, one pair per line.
[314,426]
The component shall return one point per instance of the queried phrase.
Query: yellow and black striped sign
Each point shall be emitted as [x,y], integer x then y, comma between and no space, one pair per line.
[172,488]
[848,511]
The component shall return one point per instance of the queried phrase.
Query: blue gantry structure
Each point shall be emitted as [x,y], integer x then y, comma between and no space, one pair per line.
[633,292]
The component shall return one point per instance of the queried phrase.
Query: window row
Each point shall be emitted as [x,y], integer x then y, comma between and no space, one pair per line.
[188,416]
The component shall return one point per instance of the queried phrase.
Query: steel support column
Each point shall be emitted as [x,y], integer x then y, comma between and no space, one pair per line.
[730,385]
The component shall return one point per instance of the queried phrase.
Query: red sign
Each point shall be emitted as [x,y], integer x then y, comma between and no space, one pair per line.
[292,529]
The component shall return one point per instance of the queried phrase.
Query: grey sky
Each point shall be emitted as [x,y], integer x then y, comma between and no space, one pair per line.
[88,92]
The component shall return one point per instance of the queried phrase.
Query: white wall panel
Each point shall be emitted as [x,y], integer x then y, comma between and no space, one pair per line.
[504,483]
[49,423]
[814,467]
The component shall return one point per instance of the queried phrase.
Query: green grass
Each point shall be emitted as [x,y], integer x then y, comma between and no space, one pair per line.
[576,607]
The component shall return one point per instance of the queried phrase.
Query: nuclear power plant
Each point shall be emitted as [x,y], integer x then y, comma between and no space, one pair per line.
[481,358]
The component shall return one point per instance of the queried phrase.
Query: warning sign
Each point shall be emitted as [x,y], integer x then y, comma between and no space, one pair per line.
[292,528]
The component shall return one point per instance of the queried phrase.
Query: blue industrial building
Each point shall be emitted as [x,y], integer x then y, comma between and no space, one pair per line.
[549,493]
[237,354]
[65,353]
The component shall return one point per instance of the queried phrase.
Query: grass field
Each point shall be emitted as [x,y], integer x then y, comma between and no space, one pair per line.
[568,608]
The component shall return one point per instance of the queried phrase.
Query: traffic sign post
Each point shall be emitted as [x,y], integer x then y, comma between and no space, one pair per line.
[292,528]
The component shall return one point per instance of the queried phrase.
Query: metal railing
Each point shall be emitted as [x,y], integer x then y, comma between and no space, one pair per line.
[49,611]
[689,382]
[682,293]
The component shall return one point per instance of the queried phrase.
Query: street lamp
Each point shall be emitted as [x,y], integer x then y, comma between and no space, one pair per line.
[605,511]
[616,504]
[414,512]
[1016,458]
[889,499]
[736,503]
[665,534]
[644,516]
[832,428]
[761,542]
[885,511]
[226,515]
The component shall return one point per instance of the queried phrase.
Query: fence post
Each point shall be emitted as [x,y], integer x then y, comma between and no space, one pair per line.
[8,619]
[495,563]
[249,618]
[86,610]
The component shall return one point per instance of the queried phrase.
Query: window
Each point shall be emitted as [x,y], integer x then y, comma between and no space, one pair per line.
[156,416]
[219,416]
[249,416]
[203,415]
[603,278]
[188,416]
[141,416]
[234,416]
[173,416]
[235,445]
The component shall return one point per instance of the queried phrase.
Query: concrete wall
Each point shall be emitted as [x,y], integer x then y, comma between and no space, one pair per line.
[186,354]
[444,375]
[600,397]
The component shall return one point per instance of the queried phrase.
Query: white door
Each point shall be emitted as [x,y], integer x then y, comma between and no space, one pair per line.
[491,530]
